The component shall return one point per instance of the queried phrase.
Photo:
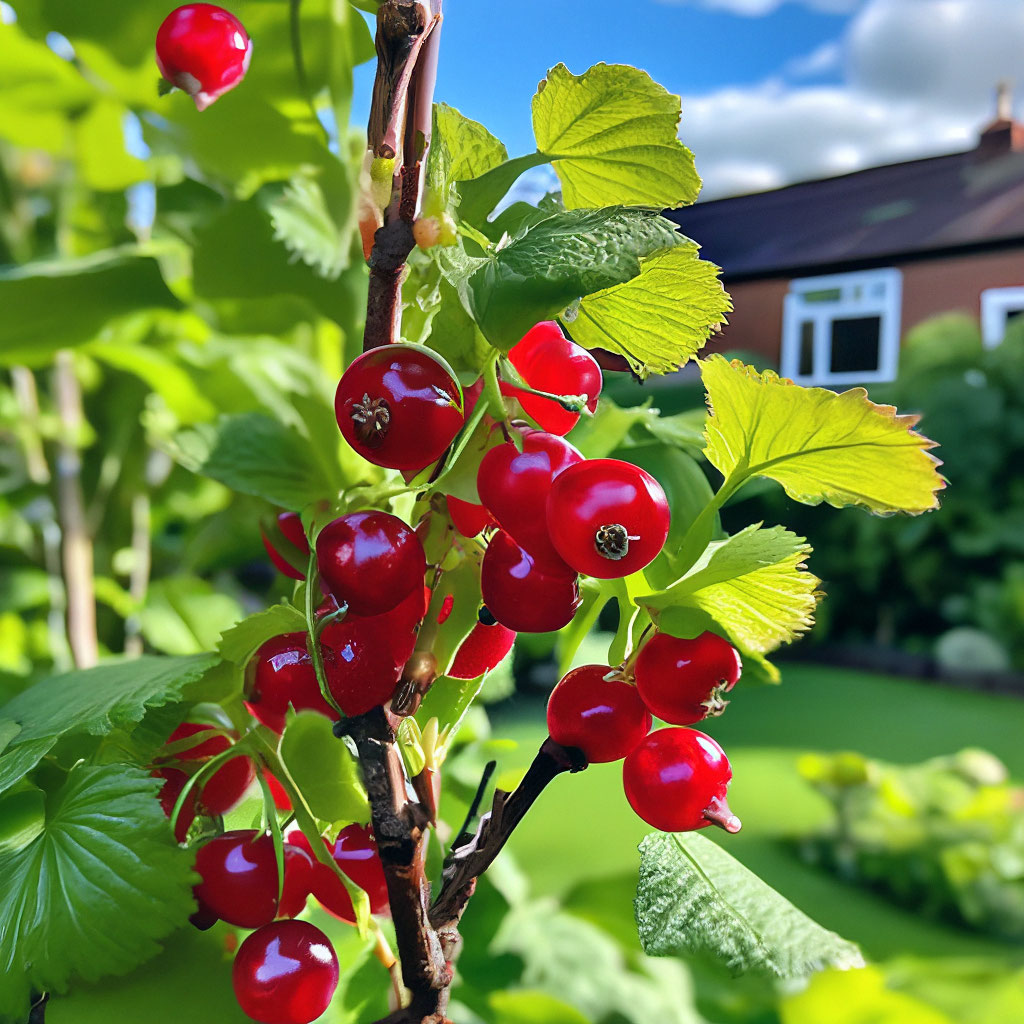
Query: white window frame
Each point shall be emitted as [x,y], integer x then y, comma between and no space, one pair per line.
[887,307]
[996,306]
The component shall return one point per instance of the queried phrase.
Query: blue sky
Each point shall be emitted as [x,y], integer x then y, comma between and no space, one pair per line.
[773,90]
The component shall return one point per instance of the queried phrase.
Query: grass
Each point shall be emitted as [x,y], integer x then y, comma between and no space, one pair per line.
[582,836]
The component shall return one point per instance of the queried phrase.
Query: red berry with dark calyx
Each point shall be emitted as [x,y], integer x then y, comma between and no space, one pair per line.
[239,878]
[370,561]
[399,406]
[607,518]
[549,361]
[682,681]
[676,780]
[355,853]
[292,555]
[299,869]
[359,663]
[283,676]
[514,486]
[522,596]
[174,782]
[604,717]
[481,651]
[285,973]
[227,785]
[469,519]
[204,50]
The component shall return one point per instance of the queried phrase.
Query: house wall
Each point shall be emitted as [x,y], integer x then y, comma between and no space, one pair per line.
[929,287]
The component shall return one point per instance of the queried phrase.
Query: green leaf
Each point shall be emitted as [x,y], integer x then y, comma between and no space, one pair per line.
[555,262]
[522,1006]
[259,455]
[842,449]
[92,894]
[324,770]
[103,162]
[659,319]
[8,730]
[694,898]
[239,643]
[305,222]
[16,763]
[459,149]
[611,135]
[754,584]
[22,817]
[53,305]
[97,700]
[186,615]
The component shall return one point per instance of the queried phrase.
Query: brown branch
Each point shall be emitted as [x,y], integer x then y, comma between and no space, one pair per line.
[468,862]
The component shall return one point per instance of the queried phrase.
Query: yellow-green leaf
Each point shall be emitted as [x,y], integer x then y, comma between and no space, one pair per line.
[659,319]
[841,449]
[611,135]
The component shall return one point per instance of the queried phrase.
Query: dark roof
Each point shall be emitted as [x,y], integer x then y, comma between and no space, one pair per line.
[918,208]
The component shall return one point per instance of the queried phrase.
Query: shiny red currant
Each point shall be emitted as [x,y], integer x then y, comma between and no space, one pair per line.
[549,361]
[359,663]
[484,648]
[676,780]
[173,783]
[299,869]
[203,50]
[522,596]
[682,681]
[239,878]
[282,676]
[285,973]
[605,718]
[355,852]
[399,406]
[607,518]
[370,561]
[225,788]
[287,546]
[514,486]
[469,519]
[282,801]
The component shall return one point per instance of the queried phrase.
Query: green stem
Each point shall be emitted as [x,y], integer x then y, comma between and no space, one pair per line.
[699,535]
[313,636]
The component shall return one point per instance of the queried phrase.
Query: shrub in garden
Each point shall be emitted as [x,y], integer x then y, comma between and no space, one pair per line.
[432,510]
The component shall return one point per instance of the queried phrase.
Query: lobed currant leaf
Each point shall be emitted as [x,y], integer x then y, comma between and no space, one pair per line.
[694,898]
[661,318]
[92,893]
[460,149]
[821,446]
[241,641]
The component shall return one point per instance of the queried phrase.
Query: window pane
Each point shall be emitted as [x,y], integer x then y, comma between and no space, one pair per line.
[855,344]
[806,348]
[822,295]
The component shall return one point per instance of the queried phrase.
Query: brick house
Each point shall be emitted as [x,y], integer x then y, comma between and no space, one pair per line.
[827,276]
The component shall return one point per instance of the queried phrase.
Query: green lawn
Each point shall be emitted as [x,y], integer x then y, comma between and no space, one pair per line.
[582,836]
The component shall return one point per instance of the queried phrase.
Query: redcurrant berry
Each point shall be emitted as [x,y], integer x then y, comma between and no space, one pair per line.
[355,853]
[605,718]
[399,406]
[514,486]
[469,519]
[299,869]
[676,780]
[482,650]
[174,783]
[682,681]
[359,663]
[370,561]
[282,801]
[607,518]
[285,973]
[225,788]
[239,878]
[282,676]
[522,596]
[295,557]
[549,361]
[203,50]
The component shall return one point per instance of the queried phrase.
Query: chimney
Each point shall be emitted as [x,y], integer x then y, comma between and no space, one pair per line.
[1004,134]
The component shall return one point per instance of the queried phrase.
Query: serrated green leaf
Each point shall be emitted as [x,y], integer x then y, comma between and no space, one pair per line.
[611,135]
[303,220]
[555,262]
[754,584]
[660,319]
[256,454]
[16,763]
[93,893]
[460,149]
[694,898]
[324,770]
[22,817]
[239,643]
[841,449]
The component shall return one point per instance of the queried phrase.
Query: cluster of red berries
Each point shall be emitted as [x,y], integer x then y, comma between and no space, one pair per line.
[675,779]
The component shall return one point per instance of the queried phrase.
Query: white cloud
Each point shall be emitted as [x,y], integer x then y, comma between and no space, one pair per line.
[827,57]
[759,8]
[919,77]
